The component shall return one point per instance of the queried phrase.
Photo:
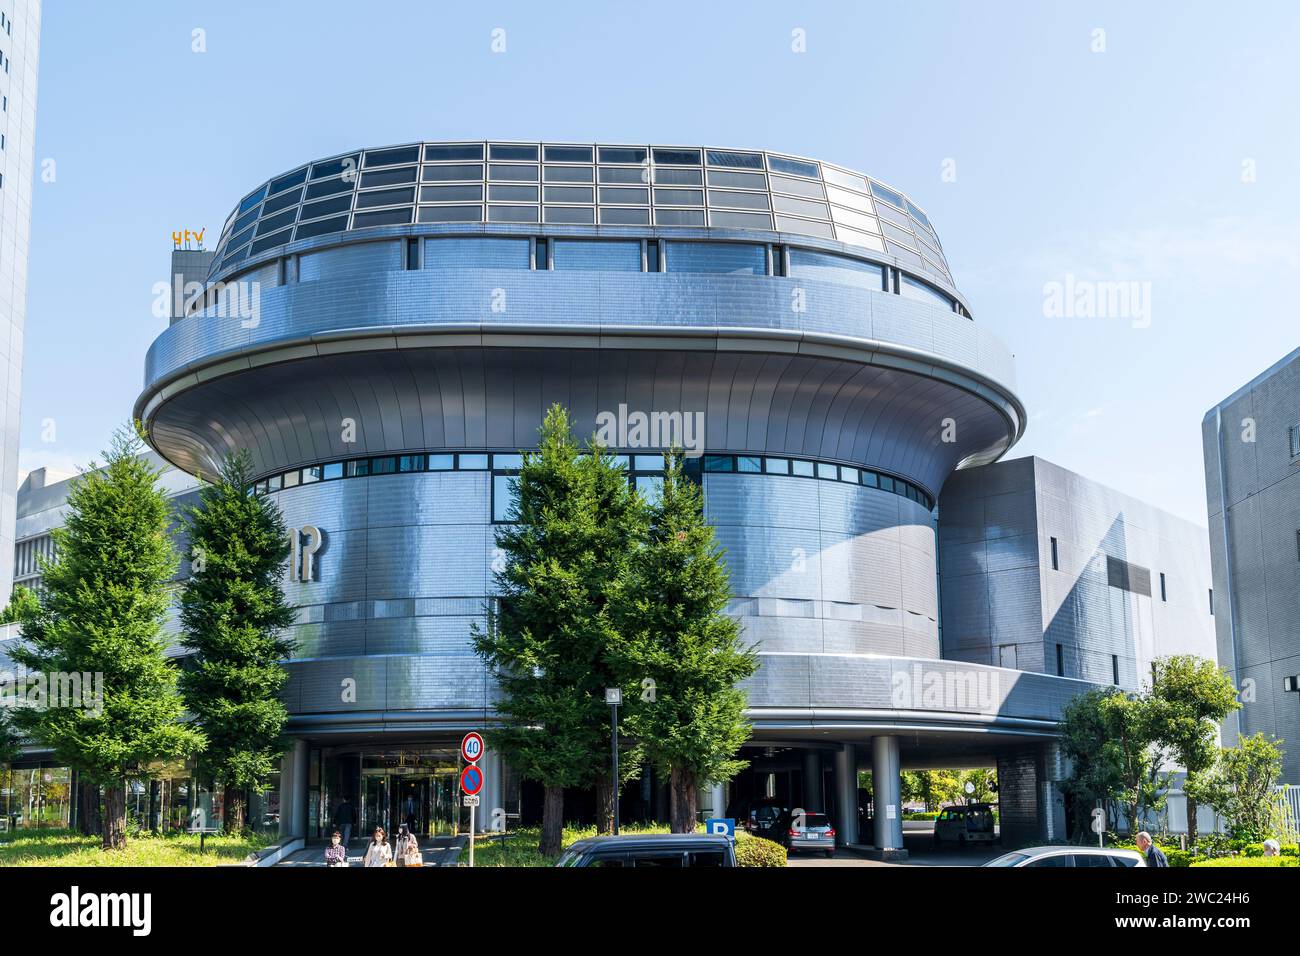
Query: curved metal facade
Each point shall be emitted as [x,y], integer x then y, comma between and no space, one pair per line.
[376,341]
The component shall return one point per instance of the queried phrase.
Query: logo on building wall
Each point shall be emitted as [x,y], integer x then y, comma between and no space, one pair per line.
[304,543]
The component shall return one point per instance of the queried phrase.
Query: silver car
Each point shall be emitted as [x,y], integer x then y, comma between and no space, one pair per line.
[1071,856]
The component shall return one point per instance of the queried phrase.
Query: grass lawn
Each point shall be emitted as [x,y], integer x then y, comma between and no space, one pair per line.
[67,848]
[520,846]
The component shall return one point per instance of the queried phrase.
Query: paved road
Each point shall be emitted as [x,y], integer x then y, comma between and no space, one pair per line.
[921,851]
[437,851]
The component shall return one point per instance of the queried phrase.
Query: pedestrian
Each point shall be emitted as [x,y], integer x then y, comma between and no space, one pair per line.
[336,854]
[344,818]
[1272,847]
[379,853]
[406,848]
[1155,856]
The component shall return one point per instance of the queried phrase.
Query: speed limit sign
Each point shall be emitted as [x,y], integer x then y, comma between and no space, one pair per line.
[471,748]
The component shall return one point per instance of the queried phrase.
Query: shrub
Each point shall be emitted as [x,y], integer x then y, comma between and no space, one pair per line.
[1233,861]
[755,851]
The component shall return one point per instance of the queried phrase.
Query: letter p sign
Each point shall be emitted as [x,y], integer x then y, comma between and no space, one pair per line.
[725,826]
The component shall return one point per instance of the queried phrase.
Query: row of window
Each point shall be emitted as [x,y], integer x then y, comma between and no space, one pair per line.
[1133,577]
[477,182]
[645,471]
[636,255]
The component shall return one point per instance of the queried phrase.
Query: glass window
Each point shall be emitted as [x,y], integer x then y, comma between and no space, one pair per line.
[870,479]
[722,177]
[678,177]
[358,468]
[624,195]
[476,253]
[652,256]
[392,157]
[913,289]
[441,462]
[438,174]
[508,461]
[279,239]
[274,483]
[385,197]
[749,463]
[385,217]
[801,207]
[389,177]
[386,465]
[855,219]
[597,255]
[731,258]
[451,214]
[800,187]
[510,151]
[443,153]
[849,474]
[651,487]
[676,157]
[886,483]
[630,216]
[636,175]
[296,178]
[334,167]
[804,469]
[739,220]
[853,237]
[327,207]
[679,217]
[332,470]
[848,180]
[888,195]
[679,197]
[473,462]
[505,497]
[291,479]
[321,227]
[470,192]
[776,466]
[276,222]
[311,474]
[498,193]
[825,470]
[622,154]
[568,154]
[279,202]
[567,174]
[252,200]
[826,267]
[730,157]
[898,235]
[798,167]
[512,174]
[564,193]
[648,462]
[804,227]
[580,215]
[718,197]
[410,463]
[512,213]
[329,188]
[718,463]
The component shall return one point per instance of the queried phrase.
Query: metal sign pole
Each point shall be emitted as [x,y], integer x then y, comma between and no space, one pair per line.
[471,834]
[614,746]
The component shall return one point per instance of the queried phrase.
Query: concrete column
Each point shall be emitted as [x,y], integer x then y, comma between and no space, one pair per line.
[846,794]
[299,756]
[812,781]
[286,795]
[887,787]
[713,801]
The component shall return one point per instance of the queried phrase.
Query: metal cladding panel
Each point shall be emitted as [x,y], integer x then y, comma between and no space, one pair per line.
[331,685]
[363,257]
[455,683]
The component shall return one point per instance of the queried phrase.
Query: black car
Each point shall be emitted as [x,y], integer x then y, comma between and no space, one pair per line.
[671,850]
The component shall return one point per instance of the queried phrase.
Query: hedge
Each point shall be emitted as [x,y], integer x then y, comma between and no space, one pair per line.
[755,851]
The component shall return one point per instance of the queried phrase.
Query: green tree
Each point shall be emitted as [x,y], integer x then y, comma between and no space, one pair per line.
[679,655]
[1191,697]
[9,741]
[1239,786]
[576,523]
[234,613]
[982,779]
[106,595]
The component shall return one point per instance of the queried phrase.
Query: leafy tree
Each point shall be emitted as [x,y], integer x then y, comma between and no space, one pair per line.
[982,779]
[234,613]
[9,743]
[1110,738]
[678,653]
[23,604]
[1240,786]
[576,524]
[106,594]
[1191,697]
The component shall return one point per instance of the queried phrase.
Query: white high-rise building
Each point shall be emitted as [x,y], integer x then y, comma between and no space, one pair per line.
[20,28]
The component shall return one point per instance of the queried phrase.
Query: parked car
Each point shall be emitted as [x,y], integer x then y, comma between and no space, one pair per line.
[672,850]
[808,830]
[1076,856]
[762,817]
[966,824]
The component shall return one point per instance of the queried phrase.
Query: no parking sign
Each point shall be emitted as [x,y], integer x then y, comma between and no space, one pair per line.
[471,780]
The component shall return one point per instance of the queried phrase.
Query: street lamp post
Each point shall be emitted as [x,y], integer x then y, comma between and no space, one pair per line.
[614,697]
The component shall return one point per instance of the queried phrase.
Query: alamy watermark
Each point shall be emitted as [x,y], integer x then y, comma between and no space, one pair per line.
[947,688]
[1086,299]
[238,300]
[56,690]
[662,429]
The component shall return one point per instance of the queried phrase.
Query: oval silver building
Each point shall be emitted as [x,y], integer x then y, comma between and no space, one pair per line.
[383,331]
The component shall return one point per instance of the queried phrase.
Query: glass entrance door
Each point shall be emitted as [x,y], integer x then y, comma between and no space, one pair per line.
[375,809]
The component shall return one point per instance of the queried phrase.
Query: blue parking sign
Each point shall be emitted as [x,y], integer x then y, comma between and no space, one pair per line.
[725,826]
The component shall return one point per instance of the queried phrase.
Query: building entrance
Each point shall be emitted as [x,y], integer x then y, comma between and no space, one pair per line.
[417,788]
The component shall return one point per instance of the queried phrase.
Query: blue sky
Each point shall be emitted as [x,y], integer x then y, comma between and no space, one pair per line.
[1120,165]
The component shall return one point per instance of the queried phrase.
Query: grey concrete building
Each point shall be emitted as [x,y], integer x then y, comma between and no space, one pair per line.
[1044,570]
[1252,486]
[20,28]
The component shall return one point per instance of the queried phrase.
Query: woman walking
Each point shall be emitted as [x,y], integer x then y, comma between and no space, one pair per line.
[379,853]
